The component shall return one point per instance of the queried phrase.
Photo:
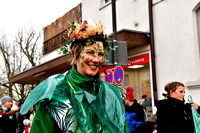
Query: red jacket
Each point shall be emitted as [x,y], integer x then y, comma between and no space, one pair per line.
[26,130]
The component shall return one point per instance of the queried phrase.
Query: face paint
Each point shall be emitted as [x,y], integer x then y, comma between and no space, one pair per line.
[91,59]
[179,93]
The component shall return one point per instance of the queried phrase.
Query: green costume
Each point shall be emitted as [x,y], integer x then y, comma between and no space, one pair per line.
[74,103]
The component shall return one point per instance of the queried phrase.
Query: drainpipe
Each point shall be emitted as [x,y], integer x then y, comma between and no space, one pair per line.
[153,64]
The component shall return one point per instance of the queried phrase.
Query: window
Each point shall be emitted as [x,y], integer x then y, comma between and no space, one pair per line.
[106,1]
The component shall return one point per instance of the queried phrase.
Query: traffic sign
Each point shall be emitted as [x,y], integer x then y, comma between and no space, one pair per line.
[118,75]
[109,76]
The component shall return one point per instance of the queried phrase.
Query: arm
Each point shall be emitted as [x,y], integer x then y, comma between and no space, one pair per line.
[5,114]
[43,122]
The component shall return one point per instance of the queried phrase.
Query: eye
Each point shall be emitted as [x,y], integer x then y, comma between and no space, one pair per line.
[101,54]
[89,52]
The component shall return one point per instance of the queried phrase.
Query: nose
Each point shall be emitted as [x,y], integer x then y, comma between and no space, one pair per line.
[95,59]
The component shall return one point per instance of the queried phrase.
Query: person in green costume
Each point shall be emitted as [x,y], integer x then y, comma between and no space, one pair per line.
[78,101]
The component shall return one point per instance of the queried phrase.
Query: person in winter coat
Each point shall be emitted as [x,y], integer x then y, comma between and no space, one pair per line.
[174,116]
[135,114]
[19,118]
[159,103]
[27,126]
[8,123]
[78,101]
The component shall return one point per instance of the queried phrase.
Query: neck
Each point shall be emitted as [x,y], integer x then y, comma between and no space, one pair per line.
[129,103]
[4,107]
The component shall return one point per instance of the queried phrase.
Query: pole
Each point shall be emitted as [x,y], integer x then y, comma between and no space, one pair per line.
[115,56]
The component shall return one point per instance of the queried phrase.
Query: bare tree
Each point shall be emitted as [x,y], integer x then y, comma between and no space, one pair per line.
[17,57]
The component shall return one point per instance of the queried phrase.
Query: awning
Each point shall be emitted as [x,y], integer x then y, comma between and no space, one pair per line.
[36,74]
[61,64]
[133,38]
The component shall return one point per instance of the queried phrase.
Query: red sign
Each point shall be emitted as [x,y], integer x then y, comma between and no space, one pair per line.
[118,75]
[142,59]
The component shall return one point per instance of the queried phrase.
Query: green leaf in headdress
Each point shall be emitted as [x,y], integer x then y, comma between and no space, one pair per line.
[73,26]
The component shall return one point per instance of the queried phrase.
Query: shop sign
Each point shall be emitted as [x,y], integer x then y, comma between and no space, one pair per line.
[142,59]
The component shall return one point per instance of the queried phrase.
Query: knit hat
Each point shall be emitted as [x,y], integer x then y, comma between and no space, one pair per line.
[129,93]
[5,99]
[26,122]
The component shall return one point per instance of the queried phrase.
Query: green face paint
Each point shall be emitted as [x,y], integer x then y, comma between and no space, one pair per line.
[87,59]
[82,64]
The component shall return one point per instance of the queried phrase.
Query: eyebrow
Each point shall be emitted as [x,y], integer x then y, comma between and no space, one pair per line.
[94,50]
[89,49]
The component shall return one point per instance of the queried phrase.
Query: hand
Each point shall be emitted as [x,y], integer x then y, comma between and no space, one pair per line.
[195,105]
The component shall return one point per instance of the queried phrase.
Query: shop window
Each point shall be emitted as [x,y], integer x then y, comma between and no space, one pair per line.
[125,83]
[139,76]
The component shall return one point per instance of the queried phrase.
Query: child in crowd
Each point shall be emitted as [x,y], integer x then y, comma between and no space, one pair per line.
[27,124]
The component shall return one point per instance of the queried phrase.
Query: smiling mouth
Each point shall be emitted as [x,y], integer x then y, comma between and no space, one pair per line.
[93,67]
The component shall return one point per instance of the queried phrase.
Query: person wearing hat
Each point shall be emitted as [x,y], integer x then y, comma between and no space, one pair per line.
[8,122]
[135,114]
[78,101]
[27,125]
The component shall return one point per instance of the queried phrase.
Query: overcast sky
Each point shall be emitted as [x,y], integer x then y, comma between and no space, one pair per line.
[15,14]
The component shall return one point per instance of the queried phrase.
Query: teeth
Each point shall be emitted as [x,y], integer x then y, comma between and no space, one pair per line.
[93,67]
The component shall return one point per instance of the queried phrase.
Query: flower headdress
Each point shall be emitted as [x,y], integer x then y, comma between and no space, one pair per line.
[87,31]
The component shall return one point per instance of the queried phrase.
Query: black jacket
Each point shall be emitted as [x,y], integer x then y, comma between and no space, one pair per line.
[20,125]
[146,127]
[8,123]
[138,109]
[175,117]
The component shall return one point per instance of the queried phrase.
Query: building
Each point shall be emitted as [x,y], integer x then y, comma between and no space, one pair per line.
[162,36]
[175,26]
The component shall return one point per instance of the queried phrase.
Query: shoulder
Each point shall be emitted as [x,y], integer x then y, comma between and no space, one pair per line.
[159,103]
[48,89]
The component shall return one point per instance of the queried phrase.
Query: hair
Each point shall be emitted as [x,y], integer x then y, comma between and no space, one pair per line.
[166,89]
[172,86]
[81,33]
[76,50]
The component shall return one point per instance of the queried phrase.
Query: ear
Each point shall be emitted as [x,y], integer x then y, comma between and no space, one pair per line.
[171,92]
[73,54]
